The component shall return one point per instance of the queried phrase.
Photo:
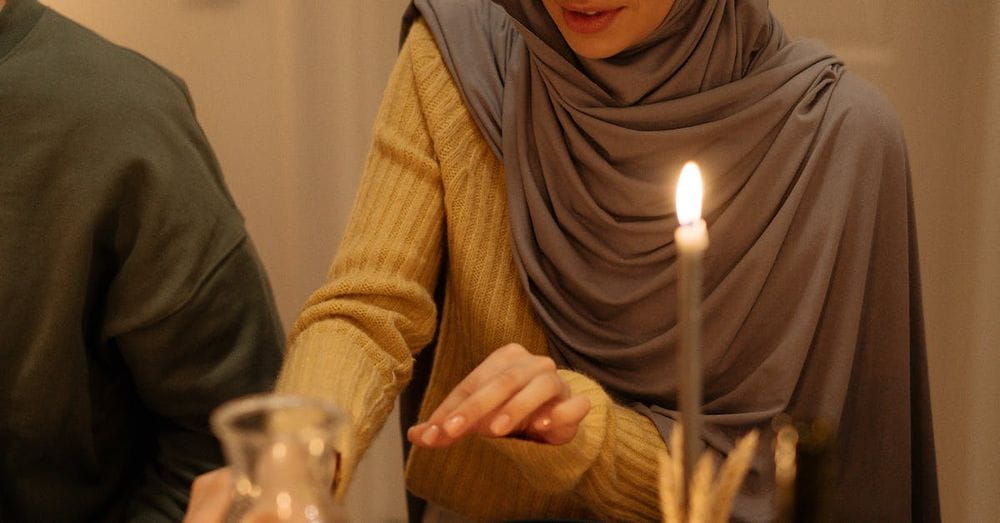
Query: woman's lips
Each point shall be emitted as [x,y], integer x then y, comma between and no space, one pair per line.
[581,22]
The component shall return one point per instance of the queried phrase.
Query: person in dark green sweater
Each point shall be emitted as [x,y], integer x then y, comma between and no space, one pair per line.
[132,301]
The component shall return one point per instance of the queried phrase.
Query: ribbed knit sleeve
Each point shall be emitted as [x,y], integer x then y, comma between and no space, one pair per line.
[354,340]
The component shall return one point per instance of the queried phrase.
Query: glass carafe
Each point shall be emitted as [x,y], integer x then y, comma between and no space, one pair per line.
[283,453]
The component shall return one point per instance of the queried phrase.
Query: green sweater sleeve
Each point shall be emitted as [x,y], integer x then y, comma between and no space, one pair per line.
[189,308]
[220,343]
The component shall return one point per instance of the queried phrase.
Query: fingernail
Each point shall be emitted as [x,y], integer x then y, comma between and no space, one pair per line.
[430,435]
[500,425]
[543,424]
[454,425]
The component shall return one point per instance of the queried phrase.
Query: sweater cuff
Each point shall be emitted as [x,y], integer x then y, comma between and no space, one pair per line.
[330,362]
[624,485]
[557,469]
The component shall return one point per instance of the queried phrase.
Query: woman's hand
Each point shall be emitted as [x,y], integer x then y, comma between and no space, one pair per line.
[511,393]
[210,497]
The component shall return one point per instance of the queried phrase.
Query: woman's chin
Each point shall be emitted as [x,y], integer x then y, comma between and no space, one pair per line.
[594,48]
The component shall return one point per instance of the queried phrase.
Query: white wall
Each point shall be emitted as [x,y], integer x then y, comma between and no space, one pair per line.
[287,90]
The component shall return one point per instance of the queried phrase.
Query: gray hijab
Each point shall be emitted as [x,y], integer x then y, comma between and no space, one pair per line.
[811,290]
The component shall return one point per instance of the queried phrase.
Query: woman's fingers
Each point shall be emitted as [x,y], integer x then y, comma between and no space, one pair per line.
[564,422]
[519,410]
[210,497]
[496,362]
[472,413]
[428,435]
[511,392]
[555,422]
[431,433]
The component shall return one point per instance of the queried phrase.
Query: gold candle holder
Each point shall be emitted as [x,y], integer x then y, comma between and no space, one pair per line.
[709,496]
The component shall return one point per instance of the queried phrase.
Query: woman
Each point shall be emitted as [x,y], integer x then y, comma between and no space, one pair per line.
[520,174]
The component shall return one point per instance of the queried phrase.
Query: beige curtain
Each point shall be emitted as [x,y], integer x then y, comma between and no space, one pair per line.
[287,90]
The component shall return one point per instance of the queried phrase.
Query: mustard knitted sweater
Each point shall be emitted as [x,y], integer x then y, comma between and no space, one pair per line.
[433,195]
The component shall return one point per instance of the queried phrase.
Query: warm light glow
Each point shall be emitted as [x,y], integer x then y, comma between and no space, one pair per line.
[284,502]
[689,194]
[316,446]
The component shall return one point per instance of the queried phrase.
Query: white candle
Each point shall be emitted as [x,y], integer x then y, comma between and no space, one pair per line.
[691,239]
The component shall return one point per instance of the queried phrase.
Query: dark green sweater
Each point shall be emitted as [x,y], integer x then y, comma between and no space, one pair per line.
[131,300]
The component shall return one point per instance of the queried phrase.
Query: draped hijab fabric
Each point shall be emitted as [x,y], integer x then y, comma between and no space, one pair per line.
[811,292]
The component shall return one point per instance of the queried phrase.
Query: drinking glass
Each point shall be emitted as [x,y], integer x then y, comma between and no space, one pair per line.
[283,452]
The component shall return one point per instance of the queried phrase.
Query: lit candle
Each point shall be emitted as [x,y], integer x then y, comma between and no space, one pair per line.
[691,239]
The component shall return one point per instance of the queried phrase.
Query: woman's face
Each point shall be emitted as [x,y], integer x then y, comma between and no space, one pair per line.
[603,28]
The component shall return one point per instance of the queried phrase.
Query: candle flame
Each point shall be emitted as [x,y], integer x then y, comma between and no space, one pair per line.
[689,195]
